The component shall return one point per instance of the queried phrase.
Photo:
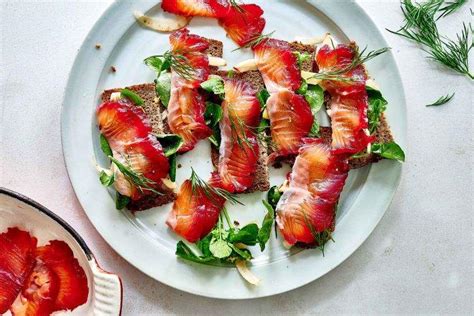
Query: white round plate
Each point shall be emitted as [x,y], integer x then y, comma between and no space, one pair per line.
[144,240]
[105,289]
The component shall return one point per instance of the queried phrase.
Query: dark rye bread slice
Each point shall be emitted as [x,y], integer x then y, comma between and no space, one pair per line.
[151,106]
[261,180]
[156,113]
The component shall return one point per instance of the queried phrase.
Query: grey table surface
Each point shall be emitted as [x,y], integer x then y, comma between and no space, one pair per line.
[418,260]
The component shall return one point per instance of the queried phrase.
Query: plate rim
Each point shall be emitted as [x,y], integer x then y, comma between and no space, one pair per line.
[321,6]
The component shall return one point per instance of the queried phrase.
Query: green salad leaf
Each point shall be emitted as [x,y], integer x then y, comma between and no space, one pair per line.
[314,95]
[389,150]
[262,97]
[246,235]
[171,143]
[264,233]
[106,179]
[132,96]
[213,114]
[104,145]
[163,88]
[215,84]
[377,105]
[121,201]
[172,161]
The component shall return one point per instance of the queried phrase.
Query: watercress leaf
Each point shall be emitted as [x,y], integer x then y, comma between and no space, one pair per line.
[273,196]
[214,84]
[155,63]
[314,95]
[246,235]
[377,105]
[106,179]
[262,97]
[264,124]
[204,244]
[302,57]
[132,96]
[163,88]
[220,248]
[121,201]
[171,143]
[104,145]
[389,150]
[266,230]
[240,254]
[303,88]
[183,251]
[172,161]
[213,114]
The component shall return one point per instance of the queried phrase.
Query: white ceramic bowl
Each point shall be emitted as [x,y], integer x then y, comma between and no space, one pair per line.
[105,289]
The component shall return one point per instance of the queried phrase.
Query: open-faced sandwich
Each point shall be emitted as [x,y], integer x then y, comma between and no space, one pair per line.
[261,112]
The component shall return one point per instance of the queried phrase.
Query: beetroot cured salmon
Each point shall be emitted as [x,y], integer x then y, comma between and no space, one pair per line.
[290,121]
[186,107]
[196,211]
[278,65]
[128,132]
[205,8]
[239,147]
[57,282]
[307,206]
[243,23]
[17,257]
[349,101]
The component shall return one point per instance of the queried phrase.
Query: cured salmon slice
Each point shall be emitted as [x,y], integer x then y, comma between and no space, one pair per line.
[205,8]
[17,257]
[349,101]
[290,121]
[195,212]
[278,65]
[243,23]
[307,207]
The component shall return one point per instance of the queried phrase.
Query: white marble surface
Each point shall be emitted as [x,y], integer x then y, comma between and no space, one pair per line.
[418,260]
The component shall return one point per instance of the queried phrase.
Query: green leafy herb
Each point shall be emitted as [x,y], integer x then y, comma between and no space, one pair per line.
[442,100]
[104,145]
[106,179]
[163,88]
[450,7]
[420,27]
[172,161]
[211,192]
[213,114]
[246,235]
[377,105]
[139,180]
[132,96]
[273,196]
[176,61]
[156,63]
[264,232]
[303,88]
[231,73]
[314,95]
[171,143]
[121,201]
[214,84]
[320,238]
[389,150]
[340,73]
[262,97]
[185,252]
[302,57]
[220,248]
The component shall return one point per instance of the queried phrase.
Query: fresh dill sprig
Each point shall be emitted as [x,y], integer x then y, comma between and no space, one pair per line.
[450,7]
[442,100]
[211,192]
[255,41]
[175,60]
[320,238]
[135,178]
[420,27]
[360,58]
[239,130]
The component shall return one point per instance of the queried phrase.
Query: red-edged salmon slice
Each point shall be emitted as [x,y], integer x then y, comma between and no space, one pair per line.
[129,134]
[57,282]
[307,207]
[243,23]
[239,148]
[194,214]
[186,107]
[349,102]
[205,8]
[278,65]
[290,121]
[17,257]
